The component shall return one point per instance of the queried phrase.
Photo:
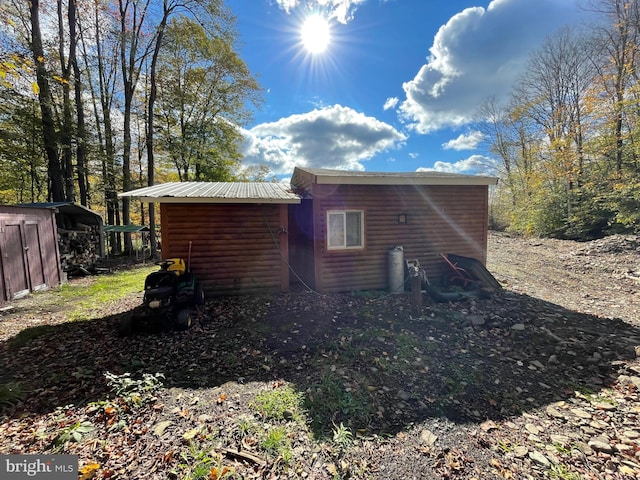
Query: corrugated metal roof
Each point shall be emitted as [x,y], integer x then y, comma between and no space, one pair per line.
[215,192]
[327,176]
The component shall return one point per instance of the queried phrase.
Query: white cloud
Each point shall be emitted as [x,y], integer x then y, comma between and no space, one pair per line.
[475,164]
[465,141]
[331,137]
[391,103]
[478,54]
[341,10]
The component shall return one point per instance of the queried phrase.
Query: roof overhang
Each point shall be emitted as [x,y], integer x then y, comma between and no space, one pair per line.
[216,193]
[340,177]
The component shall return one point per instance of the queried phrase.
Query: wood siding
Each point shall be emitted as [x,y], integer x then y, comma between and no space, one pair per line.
[29,254]
[235,248]
[440,219]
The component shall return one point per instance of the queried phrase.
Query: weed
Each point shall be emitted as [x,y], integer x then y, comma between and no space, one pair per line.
[277,444]
[342,436]
[11,394]
[197,464]
[505,446]
[280,404]
[74,433]
[562,449]
[134,392]
[561,471]
[330,398]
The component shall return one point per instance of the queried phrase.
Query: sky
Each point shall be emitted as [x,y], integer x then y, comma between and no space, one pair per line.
[397,87]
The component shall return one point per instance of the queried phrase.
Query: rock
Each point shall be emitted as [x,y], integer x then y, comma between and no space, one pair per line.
[518,327]
[520,451]
[631,434]
[600,444]
[560,439]
[533,429]
[554,412]
[403,395]
[476,320]
[427,437]
[580,413]
[540,459]
[538,364]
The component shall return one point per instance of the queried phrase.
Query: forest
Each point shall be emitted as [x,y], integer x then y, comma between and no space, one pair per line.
[99,97]
[567,145]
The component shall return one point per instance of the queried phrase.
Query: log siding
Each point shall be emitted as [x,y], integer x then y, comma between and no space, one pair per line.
[235,248]
[440,219]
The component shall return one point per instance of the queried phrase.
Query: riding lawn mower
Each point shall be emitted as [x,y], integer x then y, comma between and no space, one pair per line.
[170,296]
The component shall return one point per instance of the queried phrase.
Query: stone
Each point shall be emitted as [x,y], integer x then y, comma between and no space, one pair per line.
[540,459]
[554,412]
[580,413]
[533,429]
[560,439]
[520,451]
[427,437]
[600,445]
[518,327]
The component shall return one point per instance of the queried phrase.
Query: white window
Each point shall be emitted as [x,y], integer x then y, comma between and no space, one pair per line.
[345,229]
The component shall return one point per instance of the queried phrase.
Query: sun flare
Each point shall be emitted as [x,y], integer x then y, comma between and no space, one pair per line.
[315,34]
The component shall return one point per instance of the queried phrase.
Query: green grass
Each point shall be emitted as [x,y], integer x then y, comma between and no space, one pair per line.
[105,289]
[280,404]
[81,299]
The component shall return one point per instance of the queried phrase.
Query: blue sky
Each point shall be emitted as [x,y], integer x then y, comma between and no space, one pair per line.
[398,86]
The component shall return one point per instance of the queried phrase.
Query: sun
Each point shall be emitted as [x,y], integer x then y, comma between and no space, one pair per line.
[315,34]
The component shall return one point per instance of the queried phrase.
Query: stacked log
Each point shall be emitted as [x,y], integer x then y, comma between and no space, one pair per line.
[79,248]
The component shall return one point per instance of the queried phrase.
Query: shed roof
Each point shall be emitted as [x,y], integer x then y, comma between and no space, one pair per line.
[305,176]
[126,228]
[215,192]
[80,212]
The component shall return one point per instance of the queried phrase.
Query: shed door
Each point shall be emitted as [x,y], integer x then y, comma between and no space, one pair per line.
[35,258]
[15,262]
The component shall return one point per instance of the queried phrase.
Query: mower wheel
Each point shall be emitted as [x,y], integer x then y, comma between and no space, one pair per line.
[198,294]
[183,319]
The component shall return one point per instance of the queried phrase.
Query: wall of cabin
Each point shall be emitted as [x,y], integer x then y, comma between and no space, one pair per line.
[440,219]
[235,248]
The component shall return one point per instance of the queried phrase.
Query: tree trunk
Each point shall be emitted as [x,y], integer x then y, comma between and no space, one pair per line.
[49,135]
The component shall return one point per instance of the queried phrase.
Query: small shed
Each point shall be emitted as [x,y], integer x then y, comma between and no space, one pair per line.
[80,234]
[232,234]
[29,255]
[348,222]
[332,229]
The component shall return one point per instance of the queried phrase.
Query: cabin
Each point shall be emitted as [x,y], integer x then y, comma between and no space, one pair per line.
[330,230]
[29,255]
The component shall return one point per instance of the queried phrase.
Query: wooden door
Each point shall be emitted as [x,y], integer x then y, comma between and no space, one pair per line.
[16,275]
[35,258]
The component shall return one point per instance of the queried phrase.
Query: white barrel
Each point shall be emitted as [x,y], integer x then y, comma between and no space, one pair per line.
[396,269]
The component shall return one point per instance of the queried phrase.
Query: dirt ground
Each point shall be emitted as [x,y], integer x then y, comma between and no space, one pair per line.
[540,380]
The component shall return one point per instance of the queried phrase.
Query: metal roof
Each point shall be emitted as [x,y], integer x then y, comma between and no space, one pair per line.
[69,208]
[349,177]
[215,192]
[126,228]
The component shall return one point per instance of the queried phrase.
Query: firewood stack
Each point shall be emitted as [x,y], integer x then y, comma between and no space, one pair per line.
[79,248]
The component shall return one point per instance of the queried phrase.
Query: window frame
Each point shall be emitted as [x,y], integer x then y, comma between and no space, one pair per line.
[343,245]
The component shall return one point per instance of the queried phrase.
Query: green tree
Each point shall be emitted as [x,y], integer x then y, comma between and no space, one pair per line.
[204,88]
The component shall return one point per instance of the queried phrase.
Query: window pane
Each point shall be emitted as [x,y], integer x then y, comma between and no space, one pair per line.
[354,229]
[335,232]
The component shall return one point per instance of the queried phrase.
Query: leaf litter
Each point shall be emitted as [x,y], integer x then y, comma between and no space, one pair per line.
[301,385]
